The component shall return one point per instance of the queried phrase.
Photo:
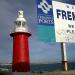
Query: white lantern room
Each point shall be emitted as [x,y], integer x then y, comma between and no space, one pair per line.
[20,23]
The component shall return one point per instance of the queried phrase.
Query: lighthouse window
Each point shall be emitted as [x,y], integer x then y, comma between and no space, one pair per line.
[23,24]
[19,23]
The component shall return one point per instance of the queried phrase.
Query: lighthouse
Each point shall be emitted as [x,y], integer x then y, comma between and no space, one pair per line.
[20,61]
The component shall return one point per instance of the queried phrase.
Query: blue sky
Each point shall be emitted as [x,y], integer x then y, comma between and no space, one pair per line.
[40,52]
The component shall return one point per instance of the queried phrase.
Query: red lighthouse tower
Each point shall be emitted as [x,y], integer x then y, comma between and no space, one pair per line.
[20,36]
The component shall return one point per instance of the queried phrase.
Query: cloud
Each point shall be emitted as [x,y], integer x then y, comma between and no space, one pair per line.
[8,14]
[39,51]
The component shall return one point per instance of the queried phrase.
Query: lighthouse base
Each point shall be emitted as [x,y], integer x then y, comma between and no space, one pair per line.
[21,67]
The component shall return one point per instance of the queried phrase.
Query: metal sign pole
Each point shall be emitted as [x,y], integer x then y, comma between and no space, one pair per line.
[64,56]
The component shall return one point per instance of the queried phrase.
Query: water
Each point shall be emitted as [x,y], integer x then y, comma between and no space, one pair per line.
[51,67]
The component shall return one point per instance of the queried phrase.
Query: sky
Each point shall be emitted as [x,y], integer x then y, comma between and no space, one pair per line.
[40,52]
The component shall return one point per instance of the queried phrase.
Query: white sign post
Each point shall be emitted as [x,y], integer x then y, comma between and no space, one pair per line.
[64,56]
[64,20]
